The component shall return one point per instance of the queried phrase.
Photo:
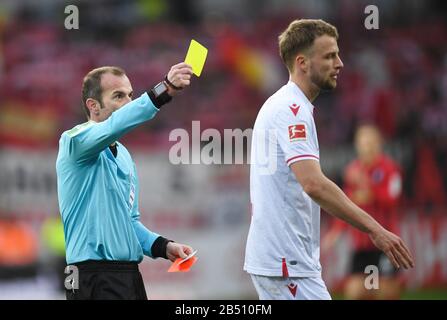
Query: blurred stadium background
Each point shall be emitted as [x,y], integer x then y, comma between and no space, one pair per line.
[395,77]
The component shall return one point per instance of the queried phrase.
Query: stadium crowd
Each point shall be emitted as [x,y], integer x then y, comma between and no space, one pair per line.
[397,80]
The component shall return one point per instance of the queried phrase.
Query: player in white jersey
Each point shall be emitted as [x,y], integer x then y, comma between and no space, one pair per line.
[287,186]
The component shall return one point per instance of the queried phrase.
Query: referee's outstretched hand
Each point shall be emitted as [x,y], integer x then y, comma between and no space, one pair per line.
[393,247]
[177,250]
[179,77]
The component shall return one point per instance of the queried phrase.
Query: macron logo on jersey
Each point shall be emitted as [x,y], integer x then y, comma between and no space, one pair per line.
[292,288]
[297,132]
[294,109]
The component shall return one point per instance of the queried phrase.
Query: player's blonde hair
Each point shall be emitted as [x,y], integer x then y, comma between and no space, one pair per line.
[300,36]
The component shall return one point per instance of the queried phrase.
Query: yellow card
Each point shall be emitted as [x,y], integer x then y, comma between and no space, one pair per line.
[196,57]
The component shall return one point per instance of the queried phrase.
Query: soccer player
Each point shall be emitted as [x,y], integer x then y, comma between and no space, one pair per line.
[98,187]
[283,245]
[373,181]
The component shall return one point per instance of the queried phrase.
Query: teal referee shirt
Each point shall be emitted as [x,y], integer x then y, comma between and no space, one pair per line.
[98,193]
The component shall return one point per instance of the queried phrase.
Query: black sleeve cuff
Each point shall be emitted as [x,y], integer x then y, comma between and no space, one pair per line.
[158,248]
[160,100]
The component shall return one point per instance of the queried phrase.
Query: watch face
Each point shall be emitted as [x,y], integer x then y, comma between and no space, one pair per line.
[160,88]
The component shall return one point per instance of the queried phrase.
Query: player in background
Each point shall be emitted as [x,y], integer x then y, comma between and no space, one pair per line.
[283,245]
[372,181]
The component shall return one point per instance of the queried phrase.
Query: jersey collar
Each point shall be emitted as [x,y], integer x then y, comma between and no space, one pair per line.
[301,94]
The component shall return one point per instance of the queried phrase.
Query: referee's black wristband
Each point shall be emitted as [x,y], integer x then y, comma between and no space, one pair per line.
[159,246]
[171,84]
[160,100]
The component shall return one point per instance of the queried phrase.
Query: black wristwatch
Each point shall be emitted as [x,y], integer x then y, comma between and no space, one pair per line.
[159,94]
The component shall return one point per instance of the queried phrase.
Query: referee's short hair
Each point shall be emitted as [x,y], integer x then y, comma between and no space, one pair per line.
[300,36]
[91,85]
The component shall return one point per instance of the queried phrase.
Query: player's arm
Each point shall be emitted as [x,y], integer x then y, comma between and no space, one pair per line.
[337,225]
[332,199]
[87,141]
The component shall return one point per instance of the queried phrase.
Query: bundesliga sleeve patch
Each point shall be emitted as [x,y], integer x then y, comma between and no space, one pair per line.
[297,132]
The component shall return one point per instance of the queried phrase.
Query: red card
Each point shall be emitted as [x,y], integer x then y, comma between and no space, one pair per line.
[183,265]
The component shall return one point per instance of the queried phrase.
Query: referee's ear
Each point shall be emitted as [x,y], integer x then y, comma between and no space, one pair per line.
[93,106]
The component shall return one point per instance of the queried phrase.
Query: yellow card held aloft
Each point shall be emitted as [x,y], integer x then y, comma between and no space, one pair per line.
[196,57]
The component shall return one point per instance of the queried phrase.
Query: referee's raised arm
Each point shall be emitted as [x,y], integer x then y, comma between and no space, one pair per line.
[107,99]
[98,187]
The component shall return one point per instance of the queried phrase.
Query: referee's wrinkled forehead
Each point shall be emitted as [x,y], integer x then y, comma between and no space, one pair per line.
[91,85]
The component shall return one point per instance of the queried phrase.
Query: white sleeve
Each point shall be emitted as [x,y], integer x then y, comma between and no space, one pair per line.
[296,135]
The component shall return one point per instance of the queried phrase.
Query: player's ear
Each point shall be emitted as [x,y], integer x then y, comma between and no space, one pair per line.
[93,105]
[302,63]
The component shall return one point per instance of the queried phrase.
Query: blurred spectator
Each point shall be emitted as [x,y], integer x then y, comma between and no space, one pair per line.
[52,234]
[430,191]
[18,250]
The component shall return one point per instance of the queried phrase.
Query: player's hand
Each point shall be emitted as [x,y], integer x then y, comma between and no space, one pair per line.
[179,76]
[393,247]
[177,250]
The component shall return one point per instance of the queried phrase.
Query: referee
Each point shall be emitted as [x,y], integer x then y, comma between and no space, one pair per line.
[98,187]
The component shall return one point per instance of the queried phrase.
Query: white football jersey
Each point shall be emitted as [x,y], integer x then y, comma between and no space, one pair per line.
[284,236]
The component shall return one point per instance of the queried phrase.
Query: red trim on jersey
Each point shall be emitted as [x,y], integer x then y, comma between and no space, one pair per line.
[302,156]
[285,271]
